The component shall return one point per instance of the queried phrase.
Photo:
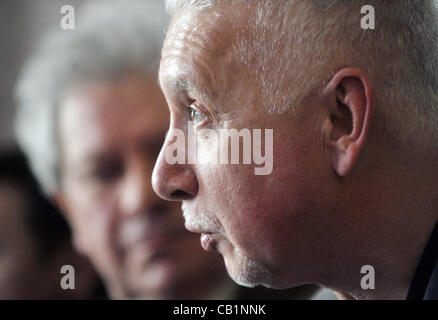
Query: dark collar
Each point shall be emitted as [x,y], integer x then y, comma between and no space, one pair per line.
[424,285]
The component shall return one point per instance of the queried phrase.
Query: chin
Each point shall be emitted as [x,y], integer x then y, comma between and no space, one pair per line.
[248,273]
[241,281]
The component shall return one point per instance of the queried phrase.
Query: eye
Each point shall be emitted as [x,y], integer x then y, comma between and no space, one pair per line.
[107,171]
[196,115]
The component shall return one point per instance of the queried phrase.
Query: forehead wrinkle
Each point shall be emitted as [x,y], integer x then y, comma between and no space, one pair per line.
[202,77]
[196,83]
[202,47]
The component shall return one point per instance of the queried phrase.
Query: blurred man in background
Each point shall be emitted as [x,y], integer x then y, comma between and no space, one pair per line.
[92,119]
[35,240]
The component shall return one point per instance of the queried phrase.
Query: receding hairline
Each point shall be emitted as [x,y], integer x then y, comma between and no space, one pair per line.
[213,42]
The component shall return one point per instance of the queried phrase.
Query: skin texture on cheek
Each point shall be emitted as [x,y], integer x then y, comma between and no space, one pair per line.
[282,227]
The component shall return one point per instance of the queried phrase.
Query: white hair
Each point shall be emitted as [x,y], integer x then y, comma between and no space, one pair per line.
[296,46]
[174,5]
[111,39]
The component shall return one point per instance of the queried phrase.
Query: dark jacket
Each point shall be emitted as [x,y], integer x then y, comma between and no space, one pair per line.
[424,285]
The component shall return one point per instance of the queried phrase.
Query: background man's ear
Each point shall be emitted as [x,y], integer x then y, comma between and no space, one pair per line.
[349,98]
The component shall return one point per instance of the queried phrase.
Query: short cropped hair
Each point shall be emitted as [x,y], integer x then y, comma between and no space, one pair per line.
[305,43]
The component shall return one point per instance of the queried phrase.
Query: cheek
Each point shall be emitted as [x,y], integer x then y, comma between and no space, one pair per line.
[258,221]
[264,215]
[246,206]
[95,225]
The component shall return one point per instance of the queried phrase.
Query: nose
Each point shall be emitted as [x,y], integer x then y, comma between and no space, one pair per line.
[137,195]
[173,182]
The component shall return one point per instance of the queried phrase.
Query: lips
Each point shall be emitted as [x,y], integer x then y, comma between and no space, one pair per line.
[207,227]
[208,239]
[208,242]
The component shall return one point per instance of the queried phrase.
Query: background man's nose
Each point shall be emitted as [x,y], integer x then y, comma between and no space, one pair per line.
[174,182]
[137,195]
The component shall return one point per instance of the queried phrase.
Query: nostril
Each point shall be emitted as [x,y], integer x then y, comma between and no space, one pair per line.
[180,195]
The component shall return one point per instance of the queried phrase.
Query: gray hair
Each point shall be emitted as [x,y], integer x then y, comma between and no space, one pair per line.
[111,39]
[174,5]
[400,56]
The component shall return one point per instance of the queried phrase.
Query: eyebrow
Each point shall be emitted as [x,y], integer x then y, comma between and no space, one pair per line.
[182,85]
[186,86]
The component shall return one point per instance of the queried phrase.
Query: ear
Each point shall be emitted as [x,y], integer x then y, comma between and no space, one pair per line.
[61,200]
[349,99]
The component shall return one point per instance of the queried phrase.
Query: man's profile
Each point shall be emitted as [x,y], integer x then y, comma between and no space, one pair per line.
[354,114]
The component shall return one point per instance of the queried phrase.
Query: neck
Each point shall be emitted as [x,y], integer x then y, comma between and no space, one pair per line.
[399,221]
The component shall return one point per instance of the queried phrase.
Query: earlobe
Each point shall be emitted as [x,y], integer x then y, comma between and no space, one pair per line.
[349,101]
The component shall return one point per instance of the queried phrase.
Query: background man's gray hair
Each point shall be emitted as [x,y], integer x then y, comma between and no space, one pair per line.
[112,38]
[304,43]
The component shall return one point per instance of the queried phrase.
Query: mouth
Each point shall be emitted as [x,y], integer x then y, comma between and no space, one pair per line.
[208,238]
[210,232]
[207,228]
[209,242]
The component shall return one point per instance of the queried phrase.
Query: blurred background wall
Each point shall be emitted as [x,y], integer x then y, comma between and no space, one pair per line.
[22,24]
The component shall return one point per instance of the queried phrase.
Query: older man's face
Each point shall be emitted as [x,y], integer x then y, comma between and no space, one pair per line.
[111,134]
[263,225]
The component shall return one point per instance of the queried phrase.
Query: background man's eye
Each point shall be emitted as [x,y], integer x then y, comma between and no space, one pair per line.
[106,173]
[195,115]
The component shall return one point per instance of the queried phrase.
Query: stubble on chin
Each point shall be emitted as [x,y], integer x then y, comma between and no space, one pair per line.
[247,272]
[243,270]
